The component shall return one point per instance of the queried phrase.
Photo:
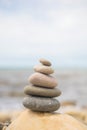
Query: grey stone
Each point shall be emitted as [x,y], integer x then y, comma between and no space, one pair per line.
[40,91]
[41,104]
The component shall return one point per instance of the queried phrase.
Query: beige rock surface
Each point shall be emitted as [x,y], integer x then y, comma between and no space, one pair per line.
[79,114]
[45,121]
[4,116]
[9,115]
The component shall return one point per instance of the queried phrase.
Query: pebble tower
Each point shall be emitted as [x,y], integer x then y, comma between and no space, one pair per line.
[42,90]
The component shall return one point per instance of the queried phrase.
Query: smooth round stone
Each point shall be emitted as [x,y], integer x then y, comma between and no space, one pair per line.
[39,79]
[43,69]
[45,62]
[39,91]
[41,104]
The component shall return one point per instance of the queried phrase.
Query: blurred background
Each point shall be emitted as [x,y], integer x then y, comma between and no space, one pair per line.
[51,29]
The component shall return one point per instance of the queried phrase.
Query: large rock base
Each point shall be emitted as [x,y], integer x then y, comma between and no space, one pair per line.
[29,120]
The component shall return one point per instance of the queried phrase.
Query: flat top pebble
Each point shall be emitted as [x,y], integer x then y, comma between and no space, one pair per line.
[45,62]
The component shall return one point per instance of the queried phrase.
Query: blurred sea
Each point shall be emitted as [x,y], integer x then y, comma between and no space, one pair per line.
[72,83]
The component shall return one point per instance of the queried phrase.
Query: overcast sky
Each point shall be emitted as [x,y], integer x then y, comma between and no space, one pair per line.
[54,29]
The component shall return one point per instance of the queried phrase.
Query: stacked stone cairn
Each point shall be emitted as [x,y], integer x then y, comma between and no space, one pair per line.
[41,92]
